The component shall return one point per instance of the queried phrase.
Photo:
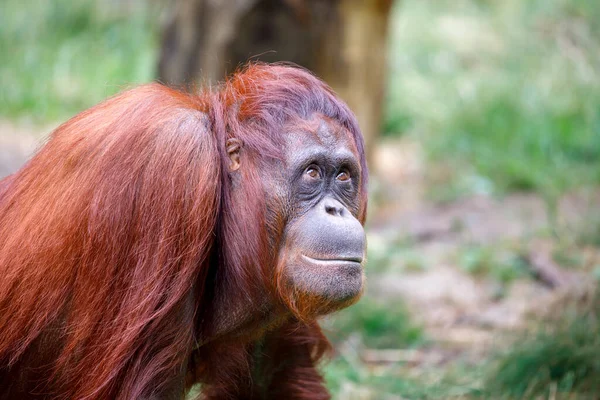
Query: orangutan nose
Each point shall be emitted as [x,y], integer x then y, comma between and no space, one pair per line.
[334,207]
[337,232]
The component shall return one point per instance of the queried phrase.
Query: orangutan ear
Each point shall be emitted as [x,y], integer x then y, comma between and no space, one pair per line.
[233,151]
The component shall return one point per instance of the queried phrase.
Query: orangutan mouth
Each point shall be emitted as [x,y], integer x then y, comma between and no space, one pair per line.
[332,261]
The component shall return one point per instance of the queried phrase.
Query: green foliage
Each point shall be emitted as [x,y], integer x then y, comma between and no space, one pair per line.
[502,264]
[398,253]
[589,234]
[562,357]
[344,377]
[380,325]
[62,56]
[568,256]
[507,92]
[348,378]
[596,273]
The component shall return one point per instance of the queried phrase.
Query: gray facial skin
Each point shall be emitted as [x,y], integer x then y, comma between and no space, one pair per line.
[312,204]
[323,239]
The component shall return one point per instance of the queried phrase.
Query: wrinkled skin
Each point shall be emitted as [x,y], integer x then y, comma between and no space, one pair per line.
[312,201]
[322,252]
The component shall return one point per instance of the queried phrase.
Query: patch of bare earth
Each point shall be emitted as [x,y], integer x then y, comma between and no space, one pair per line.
[462,313]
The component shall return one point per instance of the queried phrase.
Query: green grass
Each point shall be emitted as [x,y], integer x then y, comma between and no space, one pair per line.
[589,233]
[501,263]
[61,56]
[354,380]
[378,324]
[348,378]
[399,253]
[371,324]
[505,93]
[562,357]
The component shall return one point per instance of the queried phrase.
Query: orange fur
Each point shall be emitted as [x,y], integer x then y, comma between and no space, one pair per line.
[120,234]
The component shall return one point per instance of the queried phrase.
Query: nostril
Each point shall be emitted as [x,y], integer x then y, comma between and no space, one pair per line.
[332,210]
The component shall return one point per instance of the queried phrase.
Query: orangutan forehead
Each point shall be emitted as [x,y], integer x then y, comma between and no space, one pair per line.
[319,130]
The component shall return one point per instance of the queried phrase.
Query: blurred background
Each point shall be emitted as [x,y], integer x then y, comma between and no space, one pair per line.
[482,121]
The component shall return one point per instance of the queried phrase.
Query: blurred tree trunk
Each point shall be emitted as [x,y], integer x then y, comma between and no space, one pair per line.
[342,41]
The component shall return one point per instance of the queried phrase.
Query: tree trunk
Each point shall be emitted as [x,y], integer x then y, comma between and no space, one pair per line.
[342,41]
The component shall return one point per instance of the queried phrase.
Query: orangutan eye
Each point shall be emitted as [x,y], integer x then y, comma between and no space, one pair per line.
[343,176]
[313,172]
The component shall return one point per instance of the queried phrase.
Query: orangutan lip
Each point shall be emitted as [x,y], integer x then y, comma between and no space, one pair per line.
[351,260]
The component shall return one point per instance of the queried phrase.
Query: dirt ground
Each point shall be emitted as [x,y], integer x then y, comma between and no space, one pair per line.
[466,314]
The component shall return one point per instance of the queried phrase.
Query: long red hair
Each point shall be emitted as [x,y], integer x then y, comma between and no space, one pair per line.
[254,106]
[119,234]
[104,235]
